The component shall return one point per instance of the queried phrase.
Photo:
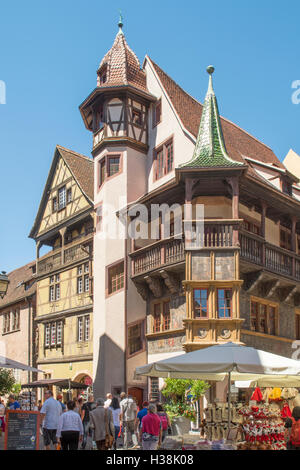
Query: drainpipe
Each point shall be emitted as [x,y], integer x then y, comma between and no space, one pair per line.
[125,312]
[29,334]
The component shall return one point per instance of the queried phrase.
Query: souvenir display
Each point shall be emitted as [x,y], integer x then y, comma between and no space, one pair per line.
[263,424]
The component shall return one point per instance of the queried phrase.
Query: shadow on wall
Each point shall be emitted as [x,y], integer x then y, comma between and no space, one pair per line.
[110,368]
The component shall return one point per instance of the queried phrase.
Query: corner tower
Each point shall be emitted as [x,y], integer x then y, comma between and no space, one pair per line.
[116,112]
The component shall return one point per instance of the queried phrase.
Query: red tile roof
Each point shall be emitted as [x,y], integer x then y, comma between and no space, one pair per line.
[16,287]
[123,66]
[82,168]
[238,142]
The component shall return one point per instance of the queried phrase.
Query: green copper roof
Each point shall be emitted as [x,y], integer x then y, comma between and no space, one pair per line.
[210,150]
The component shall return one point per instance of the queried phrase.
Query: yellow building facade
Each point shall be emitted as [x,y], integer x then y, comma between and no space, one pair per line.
[64,275]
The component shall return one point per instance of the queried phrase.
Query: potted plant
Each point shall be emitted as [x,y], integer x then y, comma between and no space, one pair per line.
[181,395]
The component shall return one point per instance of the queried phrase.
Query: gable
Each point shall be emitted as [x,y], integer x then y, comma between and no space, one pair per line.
[69,180]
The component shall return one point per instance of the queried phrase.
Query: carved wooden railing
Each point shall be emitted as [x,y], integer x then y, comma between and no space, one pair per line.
[212,234]
[278,260]
[58,259]
[50,263]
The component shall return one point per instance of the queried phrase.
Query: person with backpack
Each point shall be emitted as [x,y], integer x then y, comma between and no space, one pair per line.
[128,417]
[293,424]
[164,419]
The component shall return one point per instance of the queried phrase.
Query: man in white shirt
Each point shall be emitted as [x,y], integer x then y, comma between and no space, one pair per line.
[108,400]
[50,413]
[128,418]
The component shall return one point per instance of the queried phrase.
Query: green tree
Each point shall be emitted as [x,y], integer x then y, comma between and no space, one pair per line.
[7,381]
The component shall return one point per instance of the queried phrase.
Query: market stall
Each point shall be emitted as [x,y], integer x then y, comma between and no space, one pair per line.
[28,396]
[232,423]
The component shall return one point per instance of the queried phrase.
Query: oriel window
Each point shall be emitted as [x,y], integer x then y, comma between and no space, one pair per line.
[224,303]
[200,303]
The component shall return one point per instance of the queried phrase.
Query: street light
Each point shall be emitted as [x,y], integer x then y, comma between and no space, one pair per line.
[4,281]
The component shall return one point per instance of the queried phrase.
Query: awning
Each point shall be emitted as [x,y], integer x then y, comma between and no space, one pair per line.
[6,363]
[65,384]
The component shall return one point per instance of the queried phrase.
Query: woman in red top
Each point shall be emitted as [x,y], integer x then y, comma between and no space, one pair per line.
[151,431]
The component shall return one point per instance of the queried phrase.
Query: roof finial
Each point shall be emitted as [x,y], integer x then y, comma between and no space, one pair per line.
[210,70]
[120,24]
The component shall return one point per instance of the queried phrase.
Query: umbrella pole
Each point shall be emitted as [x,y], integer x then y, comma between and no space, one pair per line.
[229,400]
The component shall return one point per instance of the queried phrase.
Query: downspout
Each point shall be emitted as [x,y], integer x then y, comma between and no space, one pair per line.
[125,311]
[29,335]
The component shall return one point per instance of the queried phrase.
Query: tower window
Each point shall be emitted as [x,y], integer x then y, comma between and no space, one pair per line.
[113,165]
[109,166]
[137,117]
[103,75]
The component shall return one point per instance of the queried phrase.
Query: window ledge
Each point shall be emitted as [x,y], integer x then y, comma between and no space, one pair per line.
[165,332]
[265,335]
[11,331]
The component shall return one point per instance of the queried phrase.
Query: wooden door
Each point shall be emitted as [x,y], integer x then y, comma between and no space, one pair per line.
[138,394]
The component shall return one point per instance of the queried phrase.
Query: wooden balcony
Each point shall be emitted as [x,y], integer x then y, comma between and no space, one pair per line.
[218,234]
[215,234]
[256,250]
[61,258]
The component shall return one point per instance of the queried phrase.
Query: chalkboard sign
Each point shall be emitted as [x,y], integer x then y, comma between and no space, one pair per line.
[22,430]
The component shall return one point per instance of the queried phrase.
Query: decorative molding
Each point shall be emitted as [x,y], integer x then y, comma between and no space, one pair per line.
[171,281]
[252,280]
[154,285]
[285,294]
[268,288]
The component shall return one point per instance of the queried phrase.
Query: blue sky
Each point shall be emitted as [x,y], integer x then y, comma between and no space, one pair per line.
[49,56]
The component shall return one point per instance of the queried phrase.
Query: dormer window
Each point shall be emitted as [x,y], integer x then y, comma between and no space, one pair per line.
[286,187]
[103,75]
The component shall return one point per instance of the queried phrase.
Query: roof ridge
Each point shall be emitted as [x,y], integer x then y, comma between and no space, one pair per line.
[198,102]
[75,153]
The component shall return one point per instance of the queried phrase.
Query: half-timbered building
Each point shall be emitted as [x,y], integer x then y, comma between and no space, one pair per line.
[64,228]
[153,298]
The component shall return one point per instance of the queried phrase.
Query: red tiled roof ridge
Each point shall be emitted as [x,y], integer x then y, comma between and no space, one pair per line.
[198,102]
[75,153]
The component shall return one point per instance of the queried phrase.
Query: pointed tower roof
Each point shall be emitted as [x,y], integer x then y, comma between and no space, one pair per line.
[210,150]
[120,66]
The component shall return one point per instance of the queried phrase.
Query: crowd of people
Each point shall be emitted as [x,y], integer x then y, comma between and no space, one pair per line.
[111,423]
